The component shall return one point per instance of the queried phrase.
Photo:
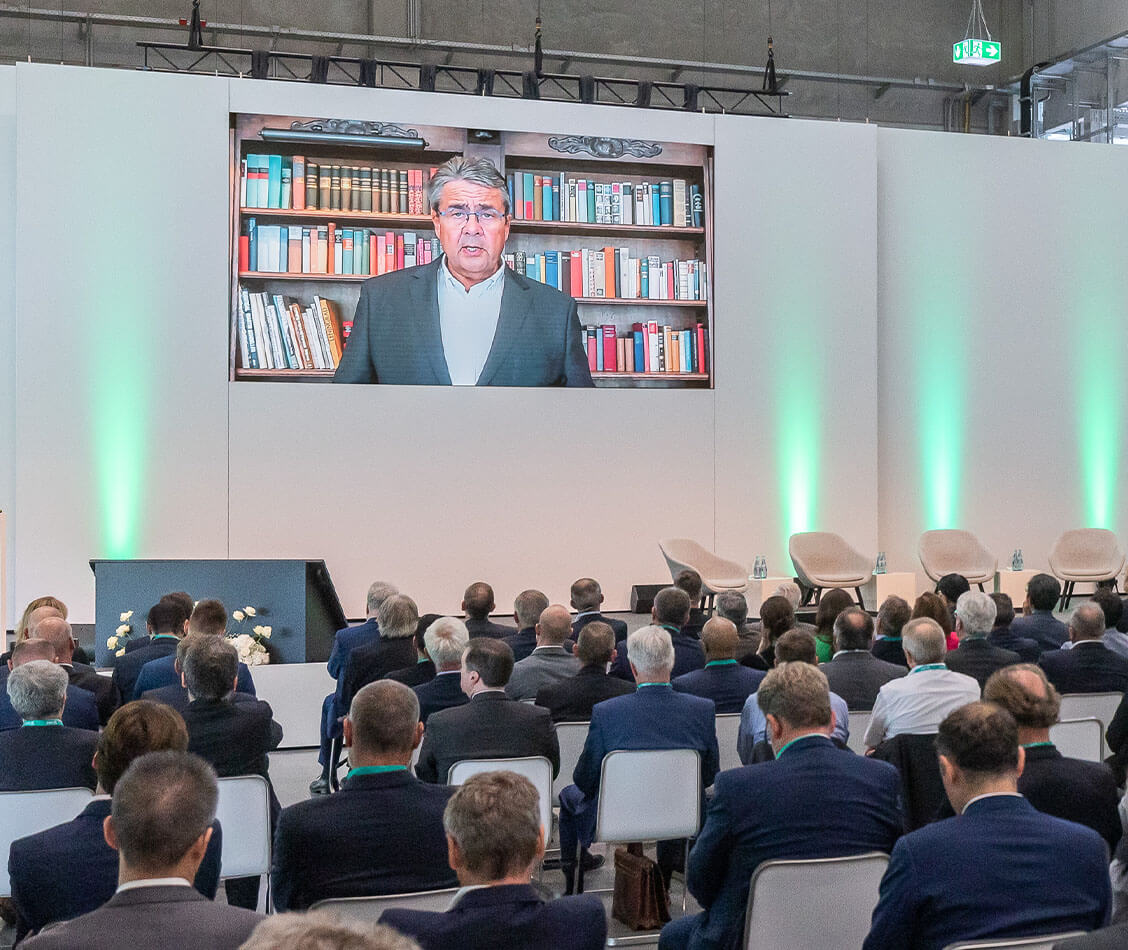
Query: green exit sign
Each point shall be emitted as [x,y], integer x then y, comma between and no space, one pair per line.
[977,52]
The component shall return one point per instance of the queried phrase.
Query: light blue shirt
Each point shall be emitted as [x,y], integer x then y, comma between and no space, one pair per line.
[467,322]
[754,727]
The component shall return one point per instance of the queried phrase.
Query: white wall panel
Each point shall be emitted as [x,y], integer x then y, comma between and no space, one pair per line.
[8,362]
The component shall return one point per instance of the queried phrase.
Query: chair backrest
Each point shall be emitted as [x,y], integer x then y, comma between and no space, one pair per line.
[859,723]
[1026,943]
[244,818]
[571,736]
[728,727]
[823,554]
[536,768]
[1101,706]
[682,553]
[649,795]
[954,551]
[368,909]
[1079,739]
[838,923]
[1087,550]
[27,813]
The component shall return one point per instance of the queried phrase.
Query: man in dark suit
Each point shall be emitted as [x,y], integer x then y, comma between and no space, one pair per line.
[478,603]
[1113,607]
[490,725]
[586,599]
[495,839]
[723,680]
[653,717]
[43,753]
[1004,637]
[954,880]
[671,611]
[975,656]
[1038,622]
[446,640]
[423,669]
[182,602]
[167,623]
[690,581]
[70,870]
[399,619]
[1090,667]
[155,904]
[572,700]
[853,672]
[527,609]
[176,694]
[1084,792]
[733,606]
[58,633]
[383,832]
[550,662]
[80,710]
[813,801]
[892,616]
[466,319]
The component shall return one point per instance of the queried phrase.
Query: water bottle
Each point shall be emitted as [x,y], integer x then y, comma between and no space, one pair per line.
[1019,560]
[1014,560]
[880,568]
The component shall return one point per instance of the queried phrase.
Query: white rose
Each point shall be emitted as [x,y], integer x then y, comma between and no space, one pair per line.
[265,632]
[112,643]
[120,652]
[122,630]
[249,611]
[237,615]
[125,616]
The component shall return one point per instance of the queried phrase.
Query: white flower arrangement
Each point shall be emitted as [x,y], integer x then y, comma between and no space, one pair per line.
[123,632]
[250,646]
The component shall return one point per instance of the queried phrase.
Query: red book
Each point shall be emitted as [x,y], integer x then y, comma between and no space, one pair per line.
[399,252]
[389,252]
[593,357]
[610,352]
[373,255]
[244,254]
[576,273]
[668,270]
[609,271]
[331,264]
[700,368]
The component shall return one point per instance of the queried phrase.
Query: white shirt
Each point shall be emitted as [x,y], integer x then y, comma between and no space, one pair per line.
[468,322]
[917,703]
[154,882]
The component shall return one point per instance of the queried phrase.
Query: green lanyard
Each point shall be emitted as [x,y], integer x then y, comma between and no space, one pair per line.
[375,770]
[43,722]
[721,663]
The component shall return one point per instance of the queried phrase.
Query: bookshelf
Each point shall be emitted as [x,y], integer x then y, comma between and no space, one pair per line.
[643,289]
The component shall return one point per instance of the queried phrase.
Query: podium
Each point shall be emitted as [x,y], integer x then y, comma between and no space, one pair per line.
[295,598]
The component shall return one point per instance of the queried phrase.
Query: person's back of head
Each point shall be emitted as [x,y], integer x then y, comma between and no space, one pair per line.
[797,694]
[690,581]
[586,595]
[165,617]
[134,730]
[1043,591]
[720,639]
[832,603]
[672,606]
[1023,690]
[24,651]
[210,668]
[321,930]
[378,592]
[952,587]
[183,605]
[789,590]
[528,607]
[383,723]
[650,652]
[491,659]
[398,617]
[57,632]
[446,640]
[209,618]
[478,600]
[932,606]
[892,616]
[777,616]
[853,630]
[977,745]
[1086,622]
[796,646]
[924,641]
[1109,601]
[595,644]
[493,829]
[37,610]
[732,605]
[37,690]
[975,611]
[1004,609]
[554,626]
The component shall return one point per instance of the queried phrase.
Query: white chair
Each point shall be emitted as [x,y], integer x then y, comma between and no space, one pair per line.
[27,813]
[1101,706]
[717,574]
[1025,943]
[728,727]
[778,887]
[1079,739]
[536,768]
[1085,555]
[243,811]
[823,559]
[952,551]
[368,909]
[859,723]
[571,736]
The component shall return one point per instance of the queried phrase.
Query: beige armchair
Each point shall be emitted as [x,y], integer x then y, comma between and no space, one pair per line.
[717,574]
[953,551]
[1088,555]
[823,559]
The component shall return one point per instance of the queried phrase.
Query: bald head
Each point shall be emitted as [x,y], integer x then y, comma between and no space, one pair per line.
[27,650]
[554,626]
[1024,692]
[1087,623]
[37,616]
[58,633]
[720,639]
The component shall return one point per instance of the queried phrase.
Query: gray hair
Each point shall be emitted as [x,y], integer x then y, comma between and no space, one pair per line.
[37,689]
[321,930]
[1087,622]
[494,818]
[651,651]
[790,591]
[398,617]
[378,593]
[976,610]
[925,640]
[797,694]
[528,606]
[477,171]
[445,640]
[732,605]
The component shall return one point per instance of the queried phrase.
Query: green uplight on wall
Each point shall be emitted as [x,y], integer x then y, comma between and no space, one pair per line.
[940,431]
[799,437]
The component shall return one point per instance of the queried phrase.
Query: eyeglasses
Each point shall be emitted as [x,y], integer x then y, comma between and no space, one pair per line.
[485,216]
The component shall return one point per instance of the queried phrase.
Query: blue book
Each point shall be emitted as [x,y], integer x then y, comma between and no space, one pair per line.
[532,266]
[365,251]
[640,352]
[684,351]
[666,203]
[530,202]
[656,204]
[591,201]
[644,279]
[274,181]
[252,251]
[552,268]
[346,251]
[509,188]
[599,349]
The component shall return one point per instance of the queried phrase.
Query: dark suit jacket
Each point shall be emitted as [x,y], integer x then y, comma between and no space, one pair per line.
[69,870]
[947,881]
[695,624]
[367,664]
[1090,667]
[688,656]
[347,640]
[857,675]
[162,672]
[1117,732]
[381,834]
[814,801]
[1042,627]
[80,711]
[420,672]
[1007,639]
[396,338]
[978,658]
[490,726]
[443,691]
[1110,938]
[176,696]
[512,916]
[172,918]
[487,628]
[105,694]
[891,651]
[571,700]
[1084,792]
[127,668]
[522,643]
[619,626]
[728,685]
[37,757]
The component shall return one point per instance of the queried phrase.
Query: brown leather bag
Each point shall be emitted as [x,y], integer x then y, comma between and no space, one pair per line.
[640,900]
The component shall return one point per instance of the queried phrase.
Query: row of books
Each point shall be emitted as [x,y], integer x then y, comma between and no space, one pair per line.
[330,249]
[276,332]
[278,181]
[650,348]
[611,272]
[556,197]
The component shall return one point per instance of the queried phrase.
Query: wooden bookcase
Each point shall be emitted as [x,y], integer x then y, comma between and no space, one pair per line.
[544,154]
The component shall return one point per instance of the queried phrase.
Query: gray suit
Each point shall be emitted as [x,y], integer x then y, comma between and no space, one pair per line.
[543,667]
[396,338]
[857,675]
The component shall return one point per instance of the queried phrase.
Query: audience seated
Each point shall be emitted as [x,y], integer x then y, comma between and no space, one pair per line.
[722,679]
[70,870]
[975,656]
[854,673]
[892,616]
[80,711]
[422,670]
[382,833]
[935,607]
[1113,608]
[1004,637]
[43,753]
[1084,792]
[959,879]
[951,587]
[813,801]
[831,604]
[445,640]
[527,609]
[671,611]
[166,623]
[155,904]
[478,604]
[549,662]
[490,725]
[733,607]
[183,602]
[1090,667]
[1038,622]
[790,591]
[777,617]
[393,650]
[586,598]
[916,703]
[37,610]
[572,699]
[494,839]
[690,581]
[652,717]
[176,694]
[320,930]
[57,632]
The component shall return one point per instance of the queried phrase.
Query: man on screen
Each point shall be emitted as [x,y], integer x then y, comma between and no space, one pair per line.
[465,319]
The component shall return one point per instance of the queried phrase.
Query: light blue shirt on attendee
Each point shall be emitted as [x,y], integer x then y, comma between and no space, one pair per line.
[467,322]
[754,727]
